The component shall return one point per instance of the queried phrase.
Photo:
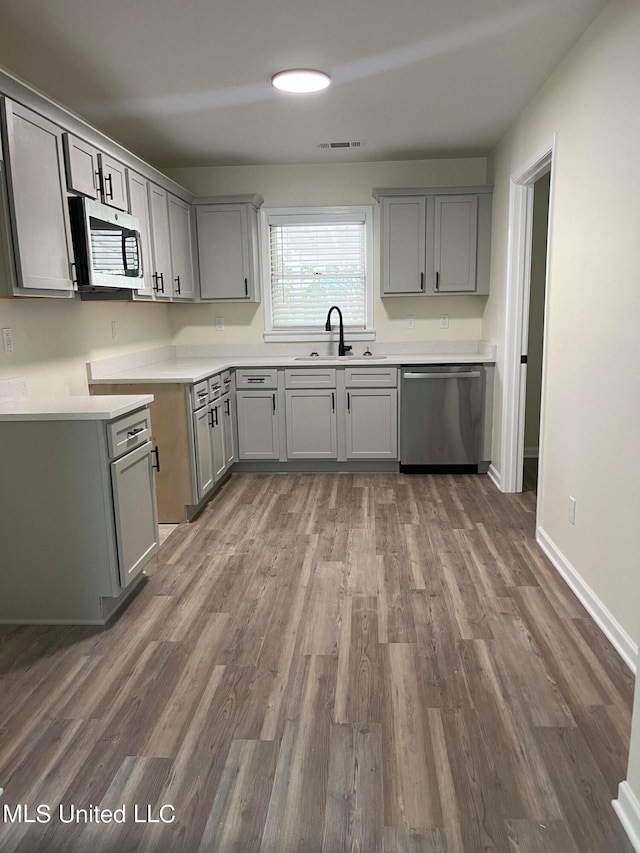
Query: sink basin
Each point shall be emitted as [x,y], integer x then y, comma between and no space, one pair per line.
[339,357]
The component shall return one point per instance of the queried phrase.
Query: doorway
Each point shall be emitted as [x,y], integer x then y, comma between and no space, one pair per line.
[535,332]
[519,284]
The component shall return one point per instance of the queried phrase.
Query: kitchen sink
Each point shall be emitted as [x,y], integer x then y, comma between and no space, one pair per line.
[340,357]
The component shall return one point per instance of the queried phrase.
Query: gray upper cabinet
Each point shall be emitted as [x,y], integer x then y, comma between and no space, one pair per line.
[113,176]
[160,243]
[83,169]
[228,250]
[435,241]
[94,174]
[138,188]
[181,236]
[38,217]
[403,244]
[456,243]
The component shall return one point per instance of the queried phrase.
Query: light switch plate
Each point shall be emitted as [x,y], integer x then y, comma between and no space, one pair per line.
[219,324]
[411,321]
[444,321]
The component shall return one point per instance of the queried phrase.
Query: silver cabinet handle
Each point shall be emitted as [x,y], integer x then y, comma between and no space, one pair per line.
[474,374]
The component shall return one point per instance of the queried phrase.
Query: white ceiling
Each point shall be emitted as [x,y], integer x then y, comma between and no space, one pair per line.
[186,82]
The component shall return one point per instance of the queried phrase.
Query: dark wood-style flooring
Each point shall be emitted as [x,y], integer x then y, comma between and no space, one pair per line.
[328,663]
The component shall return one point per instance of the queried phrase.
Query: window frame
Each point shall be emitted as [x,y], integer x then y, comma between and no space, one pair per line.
[269,216]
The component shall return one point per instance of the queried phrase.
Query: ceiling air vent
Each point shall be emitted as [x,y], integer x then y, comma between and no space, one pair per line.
[358,143]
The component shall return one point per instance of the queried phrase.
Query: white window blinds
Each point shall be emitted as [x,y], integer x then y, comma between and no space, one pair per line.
[316,262]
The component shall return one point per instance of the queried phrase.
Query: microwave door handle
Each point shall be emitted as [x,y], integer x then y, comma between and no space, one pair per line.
[126,235]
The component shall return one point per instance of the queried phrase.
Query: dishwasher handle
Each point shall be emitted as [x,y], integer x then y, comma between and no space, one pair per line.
[472,374]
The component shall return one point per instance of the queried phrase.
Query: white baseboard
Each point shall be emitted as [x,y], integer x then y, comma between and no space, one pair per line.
[627,807]
[494,476]
[531,452]
[621,641]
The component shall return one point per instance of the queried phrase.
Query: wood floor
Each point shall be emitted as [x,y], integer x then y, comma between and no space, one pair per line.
[328,663]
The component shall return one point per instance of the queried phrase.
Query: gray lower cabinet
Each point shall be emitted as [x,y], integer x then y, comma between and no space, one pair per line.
[33,197]
[311,424]
[217,439]
[258,424]
[203,451]
[87,489]
[372,423]
[230,428]
[133,484]
[214,435]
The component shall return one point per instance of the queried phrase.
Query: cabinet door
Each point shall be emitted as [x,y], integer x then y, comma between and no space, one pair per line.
[203,451]
[372,423]
[37,203]
[217,440]
[224,252]
[311,424]
[114,182]
[134,502]
[181,248]
[83,169]
[139,206]
[161,247]
[258,425]
[403,238]
[230,429]
[456,240]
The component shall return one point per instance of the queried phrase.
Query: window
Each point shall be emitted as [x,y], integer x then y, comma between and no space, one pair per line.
[315,258]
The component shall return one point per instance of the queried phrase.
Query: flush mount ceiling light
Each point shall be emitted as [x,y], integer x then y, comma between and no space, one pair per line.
[300,80]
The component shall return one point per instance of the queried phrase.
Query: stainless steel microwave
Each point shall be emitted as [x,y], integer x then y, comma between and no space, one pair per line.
[106,246]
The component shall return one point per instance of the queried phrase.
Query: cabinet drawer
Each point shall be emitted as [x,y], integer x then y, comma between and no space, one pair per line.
[371,377]
[199,394]
[253,378]
[314,377]
[215,386]
[227,381]
[128,432]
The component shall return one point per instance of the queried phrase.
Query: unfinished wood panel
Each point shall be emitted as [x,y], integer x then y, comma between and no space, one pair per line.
[170,424]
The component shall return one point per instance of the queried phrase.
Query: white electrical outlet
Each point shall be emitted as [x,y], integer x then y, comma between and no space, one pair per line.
[444,321]
[219,324]
[411,321]
[7,341]
[114,330]
[572,510]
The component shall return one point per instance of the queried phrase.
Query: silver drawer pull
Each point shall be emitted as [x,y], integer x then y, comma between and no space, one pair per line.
[475,374]
[134,432]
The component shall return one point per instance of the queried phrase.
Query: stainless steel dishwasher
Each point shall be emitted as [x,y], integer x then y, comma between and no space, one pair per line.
[441,416]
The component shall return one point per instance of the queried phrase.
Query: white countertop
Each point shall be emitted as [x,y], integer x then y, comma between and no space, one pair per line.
[81,408]
[189,370]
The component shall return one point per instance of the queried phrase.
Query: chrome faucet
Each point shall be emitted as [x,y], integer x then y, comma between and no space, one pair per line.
[343,349]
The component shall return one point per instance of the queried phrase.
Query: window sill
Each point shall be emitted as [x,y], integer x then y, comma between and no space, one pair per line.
[313,337]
